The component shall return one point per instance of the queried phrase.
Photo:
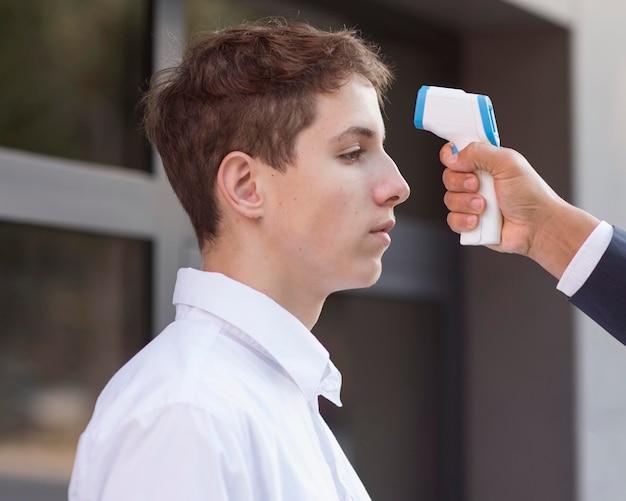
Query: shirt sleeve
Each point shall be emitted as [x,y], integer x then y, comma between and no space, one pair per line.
[586,259]
[175,453]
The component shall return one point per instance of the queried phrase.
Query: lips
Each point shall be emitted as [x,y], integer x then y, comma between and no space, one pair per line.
[381,231]
[384,227]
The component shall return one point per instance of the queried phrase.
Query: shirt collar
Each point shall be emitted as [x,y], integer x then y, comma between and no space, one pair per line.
[281,335]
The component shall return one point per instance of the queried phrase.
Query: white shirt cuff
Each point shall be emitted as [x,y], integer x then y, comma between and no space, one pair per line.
[586,259]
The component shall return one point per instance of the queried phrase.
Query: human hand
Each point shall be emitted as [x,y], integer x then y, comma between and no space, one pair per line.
[536,221]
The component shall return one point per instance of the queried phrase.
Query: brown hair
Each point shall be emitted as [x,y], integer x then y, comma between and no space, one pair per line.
[249,88]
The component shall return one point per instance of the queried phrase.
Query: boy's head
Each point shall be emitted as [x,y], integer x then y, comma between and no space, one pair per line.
[251,88]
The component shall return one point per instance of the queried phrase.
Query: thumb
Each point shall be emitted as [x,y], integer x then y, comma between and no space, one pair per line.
[499,162]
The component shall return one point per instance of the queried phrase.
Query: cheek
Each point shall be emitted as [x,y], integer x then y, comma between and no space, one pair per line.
[323,209]
[333,218]
[333,202]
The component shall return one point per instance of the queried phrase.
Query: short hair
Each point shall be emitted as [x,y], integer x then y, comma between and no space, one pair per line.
[249,88]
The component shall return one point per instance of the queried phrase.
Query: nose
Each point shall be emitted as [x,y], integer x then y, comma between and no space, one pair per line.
[393,188]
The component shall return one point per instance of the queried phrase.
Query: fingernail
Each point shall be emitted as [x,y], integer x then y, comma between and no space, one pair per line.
[472,221]
[452,158]
[470,184]
[476,204]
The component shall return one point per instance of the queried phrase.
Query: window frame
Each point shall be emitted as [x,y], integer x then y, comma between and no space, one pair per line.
[108,200]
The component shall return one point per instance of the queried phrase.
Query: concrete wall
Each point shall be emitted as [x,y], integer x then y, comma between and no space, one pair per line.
[598,103]
[557,11]
[600,180]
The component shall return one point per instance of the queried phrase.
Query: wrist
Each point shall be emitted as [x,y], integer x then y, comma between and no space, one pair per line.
[559,236]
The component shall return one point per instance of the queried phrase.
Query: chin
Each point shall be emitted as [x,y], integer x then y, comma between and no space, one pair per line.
[363,280]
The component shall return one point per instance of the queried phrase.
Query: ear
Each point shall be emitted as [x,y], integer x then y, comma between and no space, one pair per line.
[238,184]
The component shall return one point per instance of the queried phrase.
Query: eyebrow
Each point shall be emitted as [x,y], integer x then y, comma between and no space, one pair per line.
[356,131]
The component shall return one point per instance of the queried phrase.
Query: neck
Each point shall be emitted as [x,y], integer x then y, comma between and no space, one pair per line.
[261,274]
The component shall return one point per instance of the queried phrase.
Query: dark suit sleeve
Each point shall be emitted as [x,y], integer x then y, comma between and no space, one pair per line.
[603,295]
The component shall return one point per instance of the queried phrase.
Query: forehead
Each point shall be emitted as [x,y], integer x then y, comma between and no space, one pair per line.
[351,110]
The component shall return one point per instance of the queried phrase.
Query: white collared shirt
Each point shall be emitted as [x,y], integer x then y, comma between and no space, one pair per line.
[222,405]
[586,259]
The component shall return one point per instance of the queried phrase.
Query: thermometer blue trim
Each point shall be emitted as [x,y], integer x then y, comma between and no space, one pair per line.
[489,119]
[418,118]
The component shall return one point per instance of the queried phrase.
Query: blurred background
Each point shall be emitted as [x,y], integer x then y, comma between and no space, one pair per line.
[466,374]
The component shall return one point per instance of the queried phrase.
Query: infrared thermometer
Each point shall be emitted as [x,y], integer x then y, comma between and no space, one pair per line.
[463,118]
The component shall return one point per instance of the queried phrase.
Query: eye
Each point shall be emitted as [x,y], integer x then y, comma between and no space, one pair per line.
[353,155]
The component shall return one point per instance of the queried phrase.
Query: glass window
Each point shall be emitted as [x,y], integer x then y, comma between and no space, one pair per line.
[71,78]
[214,14]
[73,308]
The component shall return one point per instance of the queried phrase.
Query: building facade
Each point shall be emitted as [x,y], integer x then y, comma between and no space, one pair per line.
[467,375]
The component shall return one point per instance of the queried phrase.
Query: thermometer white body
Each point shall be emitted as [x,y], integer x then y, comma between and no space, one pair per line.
[463,118]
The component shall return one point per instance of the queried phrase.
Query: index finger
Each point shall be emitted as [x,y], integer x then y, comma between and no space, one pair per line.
[460,181]
[474,156]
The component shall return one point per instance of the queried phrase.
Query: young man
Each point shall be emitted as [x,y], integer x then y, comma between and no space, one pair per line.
[272,137]
[587,255]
